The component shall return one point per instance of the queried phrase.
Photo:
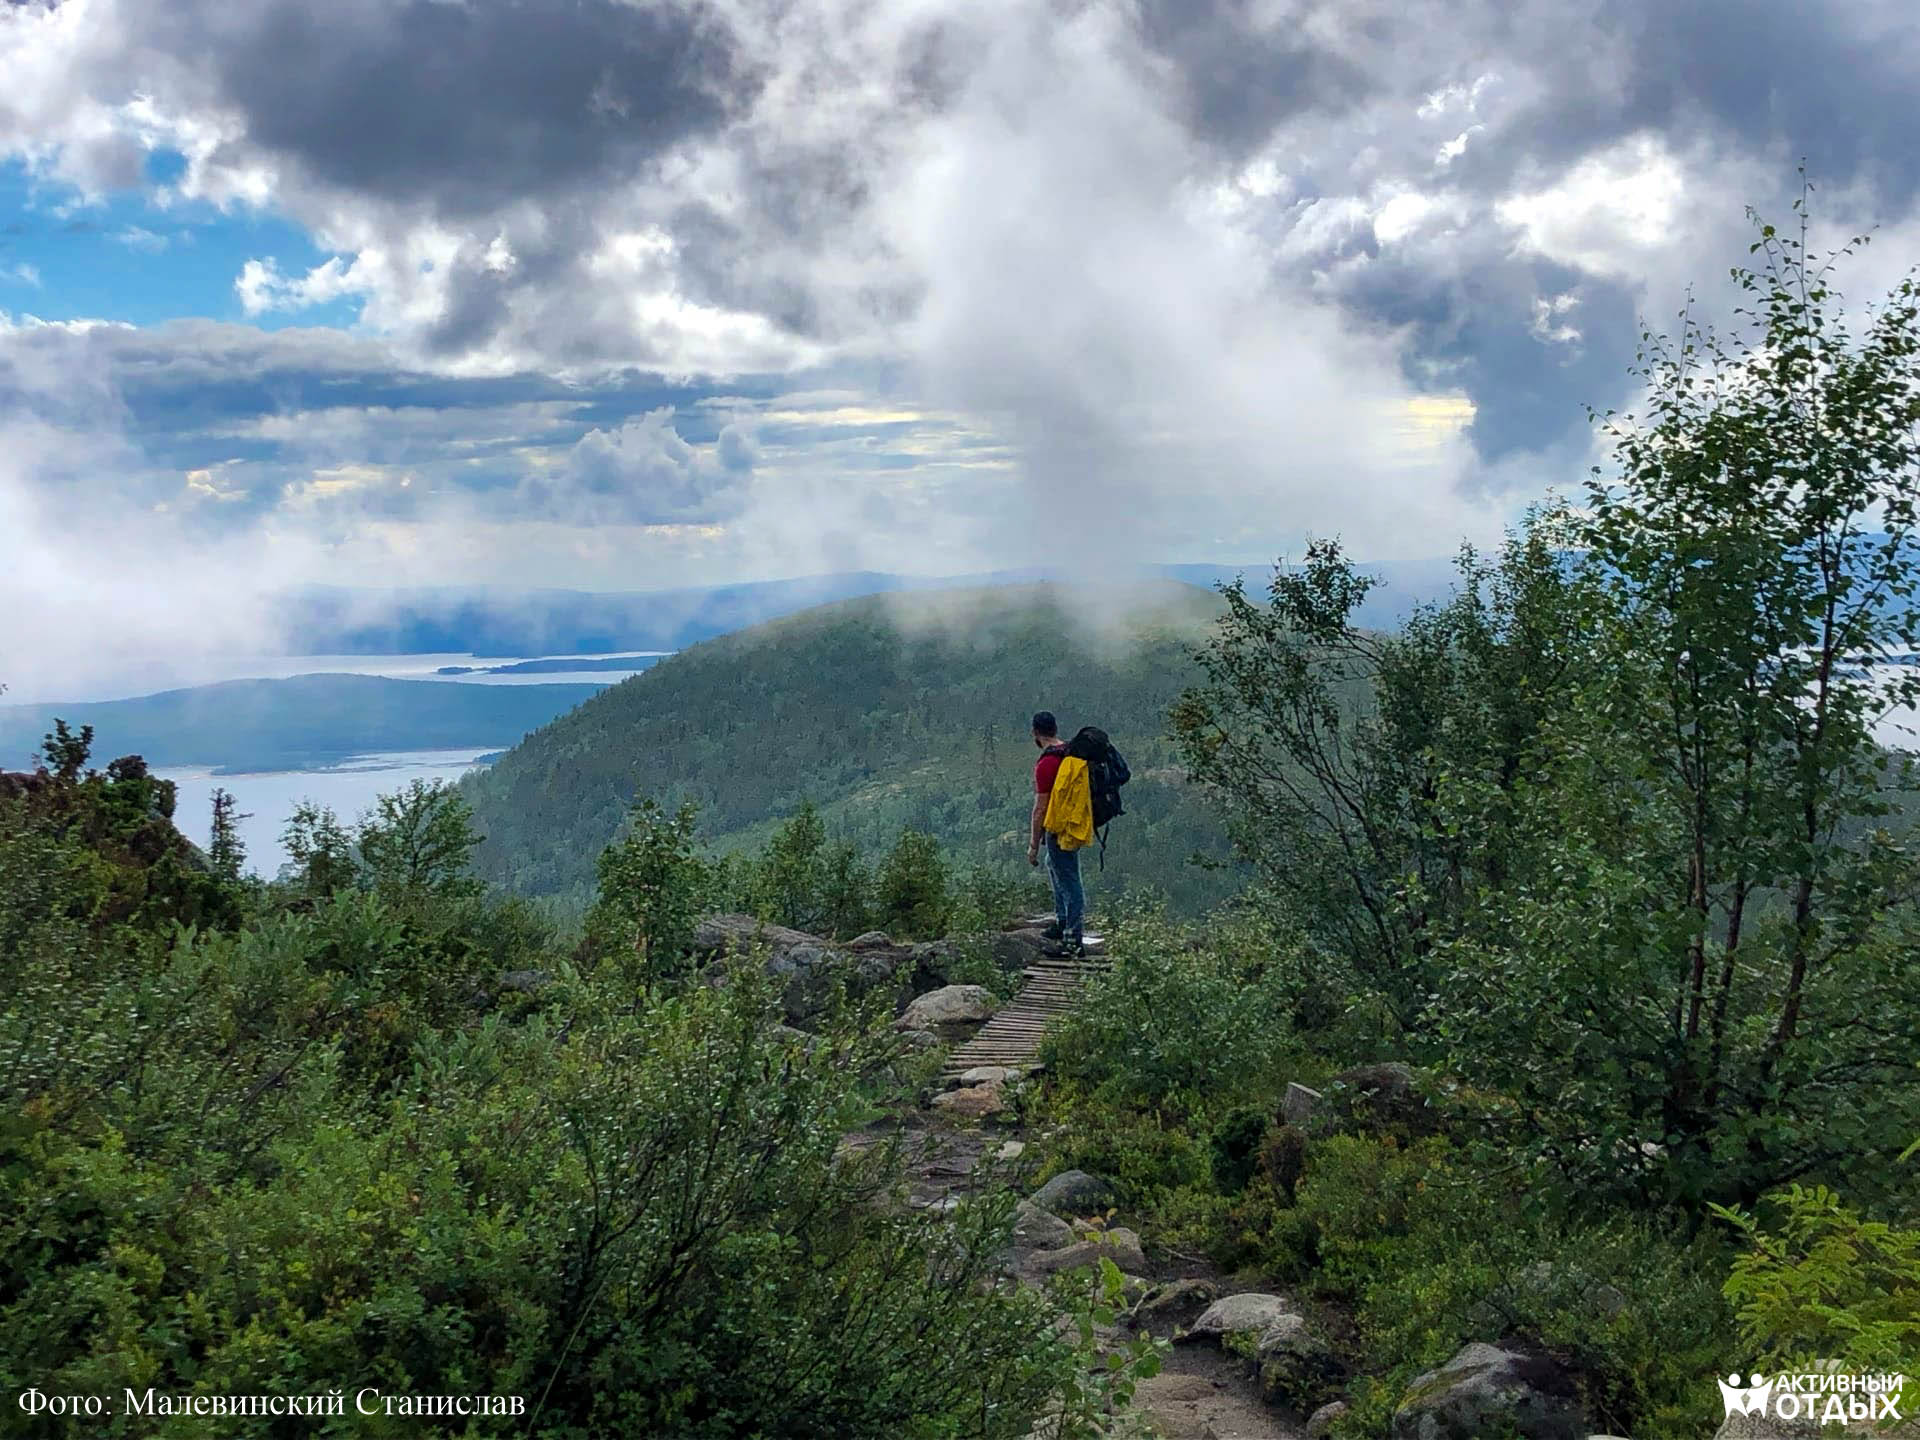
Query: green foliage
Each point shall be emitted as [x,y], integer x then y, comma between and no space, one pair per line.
[889,714]
[1106,1378]
[1823,1283]
[226,852]
[320,851]
[652,883]
[419,841]
[789,881]
[343,1144]
[1715,920]
[846,893]
[1609,833]
[1329,747]
[911,896]
[1233,1150]
[1177,1023]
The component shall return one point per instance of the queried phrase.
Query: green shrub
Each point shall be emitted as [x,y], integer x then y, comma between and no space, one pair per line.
[1176,1024]
[1822,1282]
[912,899]
[1233,1150]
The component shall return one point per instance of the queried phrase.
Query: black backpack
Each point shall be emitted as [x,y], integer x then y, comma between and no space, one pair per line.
[1106,773]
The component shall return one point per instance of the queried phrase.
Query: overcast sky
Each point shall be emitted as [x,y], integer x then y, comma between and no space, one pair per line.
[617,294]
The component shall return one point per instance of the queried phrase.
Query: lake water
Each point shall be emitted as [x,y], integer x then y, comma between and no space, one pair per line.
[268,799]
[170,674]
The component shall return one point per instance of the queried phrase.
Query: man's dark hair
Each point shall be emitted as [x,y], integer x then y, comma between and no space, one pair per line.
[1044,723]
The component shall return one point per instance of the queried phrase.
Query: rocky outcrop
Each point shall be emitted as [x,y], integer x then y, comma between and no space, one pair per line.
[812,970]
[1487,1389]
[1074,1193]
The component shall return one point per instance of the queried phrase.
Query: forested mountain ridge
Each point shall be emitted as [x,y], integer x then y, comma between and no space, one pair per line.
[885,713]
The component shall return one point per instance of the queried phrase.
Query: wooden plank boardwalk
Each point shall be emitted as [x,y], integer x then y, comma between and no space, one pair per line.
[1012,1036]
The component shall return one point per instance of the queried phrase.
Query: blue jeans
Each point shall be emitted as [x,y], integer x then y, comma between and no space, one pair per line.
[1069,897]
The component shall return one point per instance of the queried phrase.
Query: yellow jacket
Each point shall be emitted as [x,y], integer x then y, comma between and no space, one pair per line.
[1070,806]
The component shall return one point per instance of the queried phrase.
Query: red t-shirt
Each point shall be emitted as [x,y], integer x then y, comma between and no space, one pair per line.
[1046,767]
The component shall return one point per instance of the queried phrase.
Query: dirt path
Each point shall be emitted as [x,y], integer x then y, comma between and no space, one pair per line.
[1201,1394]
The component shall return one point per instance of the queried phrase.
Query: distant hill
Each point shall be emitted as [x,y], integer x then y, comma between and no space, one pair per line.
[909,709]
[298,723]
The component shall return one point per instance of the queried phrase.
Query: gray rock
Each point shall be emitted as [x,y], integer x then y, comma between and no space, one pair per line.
[1320,1423]
[1297,1367]
[524,981]
[1120,1246]
[1011,1151]
[1035,1229]
[1017,949]
[1249,1314]
[1487,1388]
[871,940]
[975,1102]
[719,934]
[1175,1302]
[949,1005]
[1074,1192]
[919,1040]
[1301,1106]
[985,1075]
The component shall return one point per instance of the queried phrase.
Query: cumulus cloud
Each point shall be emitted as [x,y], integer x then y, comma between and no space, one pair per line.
[644,473]
[1199,276]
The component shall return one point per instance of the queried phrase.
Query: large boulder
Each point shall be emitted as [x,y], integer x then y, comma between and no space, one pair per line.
[1239,1320]
[1487,1389]
[1074,1192]
[949,1005]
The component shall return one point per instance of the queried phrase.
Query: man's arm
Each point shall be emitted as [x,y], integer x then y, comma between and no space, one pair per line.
[1038,828]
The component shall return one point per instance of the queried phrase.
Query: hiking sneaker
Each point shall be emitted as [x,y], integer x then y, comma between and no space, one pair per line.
[1065,950]
[1052,932]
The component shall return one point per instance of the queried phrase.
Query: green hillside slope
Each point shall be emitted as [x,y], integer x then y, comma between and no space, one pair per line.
[295,723]
[885,712]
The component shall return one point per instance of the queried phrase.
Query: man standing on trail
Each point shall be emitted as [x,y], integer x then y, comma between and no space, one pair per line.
[1063,866]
